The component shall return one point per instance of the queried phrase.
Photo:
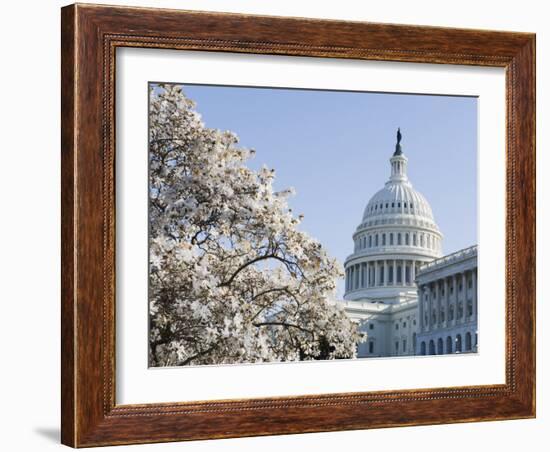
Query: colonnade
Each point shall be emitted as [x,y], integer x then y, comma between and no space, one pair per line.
[448,301]
[381,273]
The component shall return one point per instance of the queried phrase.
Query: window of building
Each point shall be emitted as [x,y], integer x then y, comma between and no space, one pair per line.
[383,239]
[393,204]
[397,326]
[376,240]
[399,238]
[386,205]
[468,341]
[404,324]
[458,343]
[470,283]
[396,348]
[391,238]
[398,204]
[371,326]
[370,241]
[371,347]
[404,345]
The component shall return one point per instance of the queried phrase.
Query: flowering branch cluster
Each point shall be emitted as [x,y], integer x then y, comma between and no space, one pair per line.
[232,278]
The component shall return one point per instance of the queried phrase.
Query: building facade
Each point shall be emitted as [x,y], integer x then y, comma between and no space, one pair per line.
[396,237]
[397,261]
[447,294]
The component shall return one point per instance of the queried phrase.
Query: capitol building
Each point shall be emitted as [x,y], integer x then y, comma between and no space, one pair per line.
[397,261]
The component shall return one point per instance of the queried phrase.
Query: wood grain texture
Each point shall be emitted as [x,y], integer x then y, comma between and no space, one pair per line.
[90,36]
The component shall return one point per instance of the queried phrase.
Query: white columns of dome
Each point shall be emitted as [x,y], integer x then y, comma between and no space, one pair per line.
[368,274]
[375,273]
[348,277]
[369,270]
[394,275]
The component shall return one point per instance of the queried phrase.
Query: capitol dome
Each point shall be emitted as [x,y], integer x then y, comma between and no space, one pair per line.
[397,235]
[398,197]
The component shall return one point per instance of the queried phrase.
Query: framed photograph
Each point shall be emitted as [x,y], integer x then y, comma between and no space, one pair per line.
[282,225]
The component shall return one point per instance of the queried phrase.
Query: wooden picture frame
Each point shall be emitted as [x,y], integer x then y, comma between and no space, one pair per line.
[90,36]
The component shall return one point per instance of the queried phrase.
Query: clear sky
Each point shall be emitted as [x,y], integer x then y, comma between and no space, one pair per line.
[334,147]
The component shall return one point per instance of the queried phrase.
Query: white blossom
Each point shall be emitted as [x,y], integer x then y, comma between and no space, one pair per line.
[232,279]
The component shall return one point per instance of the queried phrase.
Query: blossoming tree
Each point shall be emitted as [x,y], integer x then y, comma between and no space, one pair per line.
[232,278]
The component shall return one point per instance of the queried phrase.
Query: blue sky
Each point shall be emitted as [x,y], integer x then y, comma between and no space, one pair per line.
[334,147]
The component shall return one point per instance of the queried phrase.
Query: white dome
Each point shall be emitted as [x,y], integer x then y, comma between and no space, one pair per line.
[398,197]
[397,235]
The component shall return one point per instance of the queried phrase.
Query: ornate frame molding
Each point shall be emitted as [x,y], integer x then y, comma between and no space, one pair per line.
[90,37]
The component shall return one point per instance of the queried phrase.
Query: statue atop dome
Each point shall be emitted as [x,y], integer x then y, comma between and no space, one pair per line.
[398,150]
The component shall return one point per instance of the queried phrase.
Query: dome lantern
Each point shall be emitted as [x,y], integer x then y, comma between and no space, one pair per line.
[398,162]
